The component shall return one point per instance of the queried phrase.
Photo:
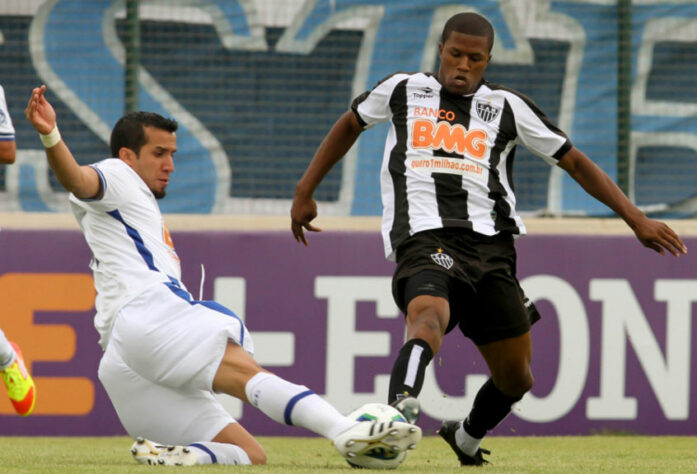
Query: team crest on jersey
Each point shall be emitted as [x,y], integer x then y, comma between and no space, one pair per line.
[443,259]
[486,111]
[168,240]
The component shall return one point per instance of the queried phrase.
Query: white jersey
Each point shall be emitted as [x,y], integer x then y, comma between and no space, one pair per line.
[7,131]
[448,159]
[131,247]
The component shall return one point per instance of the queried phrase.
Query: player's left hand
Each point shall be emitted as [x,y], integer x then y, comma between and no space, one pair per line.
[659,237]
[39,111]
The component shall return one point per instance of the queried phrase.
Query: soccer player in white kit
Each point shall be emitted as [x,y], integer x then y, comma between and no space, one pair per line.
[20,386]
[8,148]
[166,354]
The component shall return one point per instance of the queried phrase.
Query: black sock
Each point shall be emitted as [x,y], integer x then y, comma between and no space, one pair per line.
[490,407]
[407,380]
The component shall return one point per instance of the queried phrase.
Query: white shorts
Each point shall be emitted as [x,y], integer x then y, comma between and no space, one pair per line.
[158,368]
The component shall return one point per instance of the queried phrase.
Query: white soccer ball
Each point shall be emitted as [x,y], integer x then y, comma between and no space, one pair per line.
[378,458]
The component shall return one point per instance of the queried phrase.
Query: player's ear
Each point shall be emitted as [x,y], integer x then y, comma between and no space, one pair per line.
[127,155]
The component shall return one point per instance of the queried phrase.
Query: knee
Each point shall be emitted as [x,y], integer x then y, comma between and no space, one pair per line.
[525,383]
[428,330]
[429,322]
[426,322]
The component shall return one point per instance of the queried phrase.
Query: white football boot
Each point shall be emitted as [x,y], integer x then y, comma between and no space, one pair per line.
[364,436]
[148,452]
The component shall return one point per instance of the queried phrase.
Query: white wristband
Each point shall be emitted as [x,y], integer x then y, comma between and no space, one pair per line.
[51,139]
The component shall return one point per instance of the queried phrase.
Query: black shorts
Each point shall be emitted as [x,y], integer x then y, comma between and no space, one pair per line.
[475,273]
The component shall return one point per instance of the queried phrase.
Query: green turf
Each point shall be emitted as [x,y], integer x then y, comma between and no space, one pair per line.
[611,454]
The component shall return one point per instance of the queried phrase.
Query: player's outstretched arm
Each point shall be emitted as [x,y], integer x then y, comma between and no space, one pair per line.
[335,145]
[651,233]
[82,181]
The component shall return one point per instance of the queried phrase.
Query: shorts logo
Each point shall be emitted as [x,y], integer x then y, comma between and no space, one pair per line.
[443,259]
[255,398]
[3,118]
[426,287]
[486,111]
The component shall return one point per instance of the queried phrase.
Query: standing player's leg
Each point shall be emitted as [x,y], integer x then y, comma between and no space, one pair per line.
[426,320]
[509,363]
[501,331]
[20,385]
[425,296]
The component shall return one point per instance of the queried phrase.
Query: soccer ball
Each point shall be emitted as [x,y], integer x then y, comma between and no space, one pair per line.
[379,457]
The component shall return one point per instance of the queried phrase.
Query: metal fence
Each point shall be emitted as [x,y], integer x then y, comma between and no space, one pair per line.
[255,85]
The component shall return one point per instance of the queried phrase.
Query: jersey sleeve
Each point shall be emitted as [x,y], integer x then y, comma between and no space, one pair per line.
[117,182]
[536,132]
[373,106]
[7,131]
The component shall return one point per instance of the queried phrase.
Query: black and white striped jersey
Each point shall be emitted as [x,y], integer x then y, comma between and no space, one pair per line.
[448,158]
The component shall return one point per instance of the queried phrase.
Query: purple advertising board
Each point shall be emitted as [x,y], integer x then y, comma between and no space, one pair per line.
[612,353]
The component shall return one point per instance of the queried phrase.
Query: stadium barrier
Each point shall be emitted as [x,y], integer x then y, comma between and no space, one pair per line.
[613,351]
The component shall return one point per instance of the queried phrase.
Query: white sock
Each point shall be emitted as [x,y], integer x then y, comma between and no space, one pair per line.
[7,354]
[466,442]
[295,405]
[209,452]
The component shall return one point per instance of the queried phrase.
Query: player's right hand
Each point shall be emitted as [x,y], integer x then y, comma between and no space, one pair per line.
[40,112]
[301,214]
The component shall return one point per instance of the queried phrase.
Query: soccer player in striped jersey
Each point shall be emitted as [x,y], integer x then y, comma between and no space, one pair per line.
[449,215]
[165,353]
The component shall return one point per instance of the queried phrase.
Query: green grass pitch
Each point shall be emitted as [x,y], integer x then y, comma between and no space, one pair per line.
[610,454]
